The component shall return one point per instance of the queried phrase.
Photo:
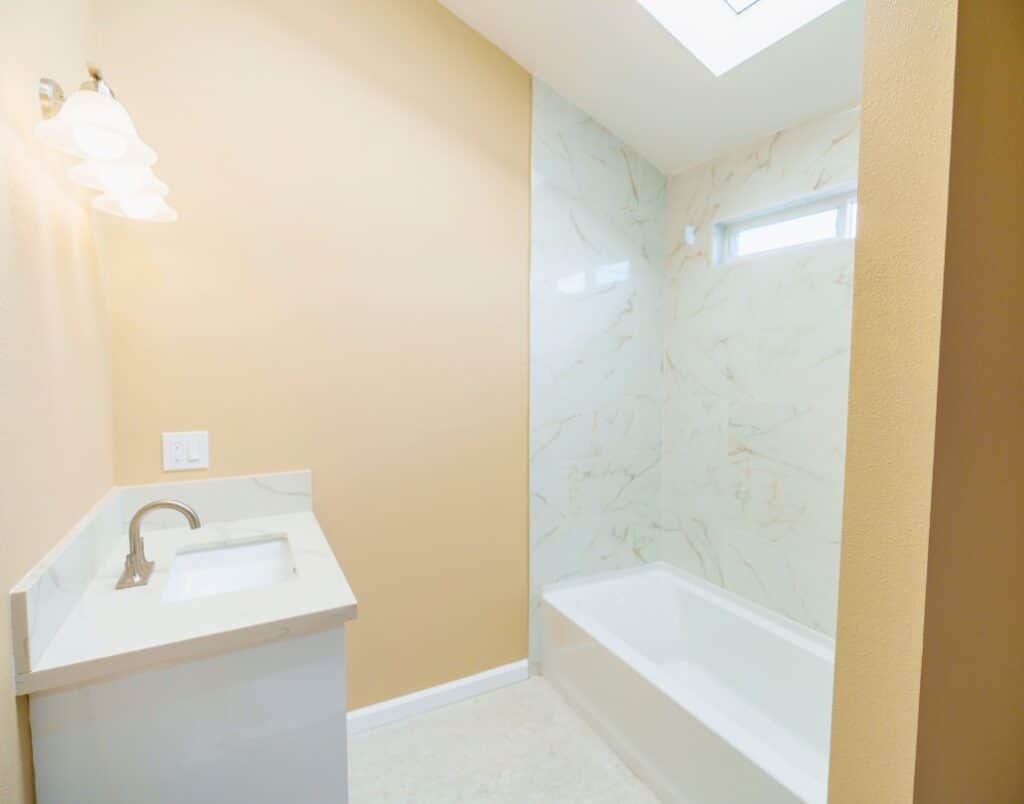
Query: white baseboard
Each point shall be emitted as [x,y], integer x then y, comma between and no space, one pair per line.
[415,703]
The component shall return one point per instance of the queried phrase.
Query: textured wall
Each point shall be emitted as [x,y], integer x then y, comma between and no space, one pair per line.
[596,284]
[55,406]
[900,255]
[756,365]
[970,742]
[346,290]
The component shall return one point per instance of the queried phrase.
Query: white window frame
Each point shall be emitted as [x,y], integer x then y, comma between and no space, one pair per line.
[844,201]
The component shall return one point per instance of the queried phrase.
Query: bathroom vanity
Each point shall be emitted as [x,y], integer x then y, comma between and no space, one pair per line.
[220,679]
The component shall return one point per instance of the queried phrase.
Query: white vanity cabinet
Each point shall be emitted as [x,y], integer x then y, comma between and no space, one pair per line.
[258,724]
[220,680]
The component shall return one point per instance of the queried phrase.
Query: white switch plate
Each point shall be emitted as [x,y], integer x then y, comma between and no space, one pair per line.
[184,451]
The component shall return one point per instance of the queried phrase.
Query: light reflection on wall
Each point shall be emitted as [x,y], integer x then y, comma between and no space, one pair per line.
[597,281]
[593,280]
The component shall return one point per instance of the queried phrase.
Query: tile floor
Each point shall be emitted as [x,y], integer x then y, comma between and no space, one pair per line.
[519,745]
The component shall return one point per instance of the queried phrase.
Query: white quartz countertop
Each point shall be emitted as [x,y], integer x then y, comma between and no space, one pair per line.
[111,631]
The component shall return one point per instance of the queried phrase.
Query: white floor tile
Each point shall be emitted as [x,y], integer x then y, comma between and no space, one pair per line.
[519,745]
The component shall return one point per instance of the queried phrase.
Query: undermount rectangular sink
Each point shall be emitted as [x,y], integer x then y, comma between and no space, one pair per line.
[214,570]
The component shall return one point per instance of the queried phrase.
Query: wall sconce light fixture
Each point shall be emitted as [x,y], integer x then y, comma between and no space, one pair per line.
[93,126]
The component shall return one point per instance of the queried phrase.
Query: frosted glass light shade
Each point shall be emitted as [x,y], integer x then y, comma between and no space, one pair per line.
[93,126]
[145,207]
[117,178]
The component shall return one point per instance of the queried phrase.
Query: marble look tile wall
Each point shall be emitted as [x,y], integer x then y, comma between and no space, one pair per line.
[596,289]
[756,374]
[681,410]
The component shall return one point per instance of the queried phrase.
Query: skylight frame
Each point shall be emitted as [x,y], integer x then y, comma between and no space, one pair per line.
[744,5]
[721,38]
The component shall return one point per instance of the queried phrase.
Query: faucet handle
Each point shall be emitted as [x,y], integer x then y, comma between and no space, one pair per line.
[136,572]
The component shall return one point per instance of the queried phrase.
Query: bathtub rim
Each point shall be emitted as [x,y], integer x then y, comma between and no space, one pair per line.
[815,642]
[803,782]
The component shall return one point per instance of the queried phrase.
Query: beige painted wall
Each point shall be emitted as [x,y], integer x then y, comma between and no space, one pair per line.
[930,656]
[55,405]
[897,294]
[970,744]
[346,290]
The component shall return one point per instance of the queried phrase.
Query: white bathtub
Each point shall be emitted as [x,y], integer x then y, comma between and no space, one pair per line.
[707,697]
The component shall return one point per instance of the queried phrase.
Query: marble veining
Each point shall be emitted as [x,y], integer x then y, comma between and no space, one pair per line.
[223,499]
[43,600]
[53,587]
[681,410]
[112,631]
[596,285]
[756,376]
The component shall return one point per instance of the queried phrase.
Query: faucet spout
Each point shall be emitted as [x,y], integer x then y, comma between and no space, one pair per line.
[136,568]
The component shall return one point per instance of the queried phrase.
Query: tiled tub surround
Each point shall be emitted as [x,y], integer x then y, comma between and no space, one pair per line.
[681,410]
[756,377]
[596,286]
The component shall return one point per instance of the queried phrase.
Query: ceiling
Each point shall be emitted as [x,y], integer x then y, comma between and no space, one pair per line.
[614,61]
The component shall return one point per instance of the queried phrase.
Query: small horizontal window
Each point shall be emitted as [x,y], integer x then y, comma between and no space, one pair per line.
[810,221]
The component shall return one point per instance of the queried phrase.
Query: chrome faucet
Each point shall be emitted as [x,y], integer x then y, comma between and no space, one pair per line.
[136,568]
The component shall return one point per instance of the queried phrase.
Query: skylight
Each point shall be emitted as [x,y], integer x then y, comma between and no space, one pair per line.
[739,6]
[725,33]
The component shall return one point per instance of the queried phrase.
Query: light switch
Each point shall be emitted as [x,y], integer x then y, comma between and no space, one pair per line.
[184,451]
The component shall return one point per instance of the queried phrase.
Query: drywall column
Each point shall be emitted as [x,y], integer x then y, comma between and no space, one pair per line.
[929,705]
[970,743]
[897,295]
